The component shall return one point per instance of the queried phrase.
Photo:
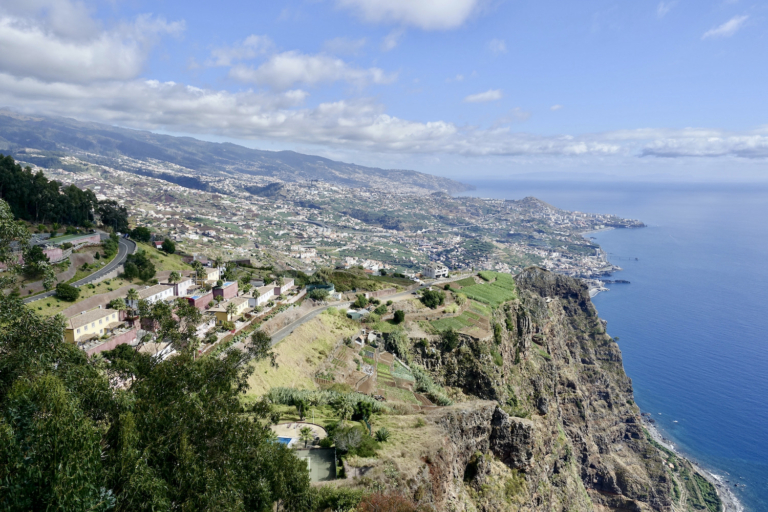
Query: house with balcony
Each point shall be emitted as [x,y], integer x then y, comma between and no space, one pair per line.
[92,324]
[152,294]
[222,313]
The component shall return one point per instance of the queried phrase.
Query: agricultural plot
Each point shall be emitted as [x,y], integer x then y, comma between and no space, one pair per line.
[456,323]
[468,281]
[500,289]
[401,395]
[401,372]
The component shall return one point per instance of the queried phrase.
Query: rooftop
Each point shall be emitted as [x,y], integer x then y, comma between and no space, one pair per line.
[88,317]
[153,290]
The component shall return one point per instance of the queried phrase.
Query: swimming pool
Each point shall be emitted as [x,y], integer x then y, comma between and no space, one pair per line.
[285,440]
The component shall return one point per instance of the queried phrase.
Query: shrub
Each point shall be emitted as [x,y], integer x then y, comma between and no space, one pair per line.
[168,246]
[328,497]
[450,339]
[318,294]
[389,303]
[381,310]
[382,435]
[386,503]
[67,292]
[433,298]
[399,316]
[141,234]
[420,423]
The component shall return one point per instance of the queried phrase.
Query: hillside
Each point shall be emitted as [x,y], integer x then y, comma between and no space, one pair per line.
[55,137]
[539,413]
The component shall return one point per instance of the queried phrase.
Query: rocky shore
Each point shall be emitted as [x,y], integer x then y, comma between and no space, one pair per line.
[730,502]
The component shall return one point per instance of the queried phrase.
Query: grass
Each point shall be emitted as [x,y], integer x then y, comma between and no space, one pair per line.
[467,281]
[368,360]
[499,289]
[386,326]
[162,260]
[56,306]
[480,308]
[401,395]
[456,323]
[299,355]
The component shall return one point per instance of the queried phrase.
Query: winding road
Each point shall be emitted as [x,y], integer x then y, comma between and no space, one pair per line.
[125,247]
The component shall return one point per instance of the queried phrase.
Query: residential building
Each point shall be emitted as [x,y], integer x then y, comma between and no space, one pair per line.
[281,289]
[200,299]
[264,294]
[153,294]
[226,290]
[91,324]
[435,271]
[222,315]
[210,275]
[182,287]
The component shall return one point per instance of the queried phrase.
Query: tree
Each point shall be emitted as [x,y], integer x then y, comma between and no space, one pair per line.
[67,292]
[306,435]
[174,277]
[318,294]
[178,434]
[141,234]
[301,405]
[219,283]
[168,246]
[113,215]
[231,309]
[344,408]
[144,268]
[118,304]
[399,316]
[381,310]
[12,235]
[133,295]
[360,302]
[450,339]
[37,264]
[432,298]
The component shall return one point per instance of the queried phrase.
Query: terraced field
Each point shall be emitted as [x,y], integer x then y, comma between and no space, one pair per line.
[499,289]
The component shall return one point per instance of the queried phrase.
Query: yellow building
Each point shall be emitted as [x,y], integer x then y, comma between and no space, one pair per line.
[241,305]
[211,275]
[91,324]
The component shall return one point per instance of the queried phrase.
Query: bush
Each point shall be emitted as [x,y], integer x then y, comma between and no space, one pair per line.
[433,298]
[168,246]
[67,292]
[387,503]
[399,316]
[360,302]
[328,497]
[382,435]
[318,294]
[141,234]
[450,339]
[381,310]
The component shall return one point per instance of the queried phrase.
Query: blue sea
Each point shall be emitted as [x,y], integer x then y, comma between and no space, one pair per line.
[693,323]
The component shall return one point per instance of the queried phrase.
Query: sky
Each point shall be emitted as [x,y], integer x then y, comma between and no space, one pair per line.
[469,89]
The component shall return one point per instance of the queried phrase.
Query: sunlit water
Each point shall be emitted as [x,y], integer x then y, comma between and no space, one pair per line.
[693,323]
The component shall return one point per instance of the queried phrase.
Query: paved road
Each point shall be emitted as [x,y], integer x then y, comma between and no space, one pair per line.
[124,248]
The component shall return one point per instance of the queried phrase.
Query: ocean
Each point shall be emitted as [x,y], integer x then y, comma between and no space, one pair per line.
[693,322]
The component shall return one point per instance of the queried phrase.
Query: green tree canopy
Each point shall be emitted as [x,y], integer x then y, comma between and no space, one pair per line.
[173,434]
[141,234]
[169,246]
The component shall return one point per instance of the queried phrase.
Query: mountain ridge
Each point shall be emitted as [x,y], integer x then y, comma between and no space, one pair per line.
[94,141]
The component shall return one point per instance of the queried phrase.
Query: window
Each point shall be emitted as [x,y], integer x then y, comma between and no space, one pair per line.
[93,324]
[78,331]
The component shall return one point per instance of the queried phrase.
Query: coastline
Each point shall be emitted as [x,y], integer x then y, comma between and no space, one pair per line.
[730,502]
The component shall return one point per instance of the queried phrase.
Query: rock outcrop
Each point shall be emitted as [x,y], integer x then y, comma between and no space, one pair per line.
[546,418]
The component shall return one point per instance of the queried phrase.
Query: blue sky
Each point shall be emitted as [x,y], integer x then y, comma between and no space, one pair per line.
[462,88]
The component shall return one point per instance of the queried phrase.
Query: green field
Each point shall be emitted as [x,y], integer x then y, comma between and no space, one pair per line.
[401,372]
[499,289]
[468,281]
[401,395]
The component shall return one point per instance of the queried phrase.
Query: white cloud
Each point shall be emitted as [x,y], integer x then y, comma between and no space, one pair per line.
[489,95]
[664,8]
[251,47]
[285,69]
[344,45]
[728,28]
[720,145]
[497,46]
[58,40]
[391,40]
[555,107]
[424,14]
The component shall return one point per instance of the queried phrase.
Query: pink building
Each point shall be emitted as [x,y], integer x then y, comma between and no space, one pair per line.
[200,301]
[227,290]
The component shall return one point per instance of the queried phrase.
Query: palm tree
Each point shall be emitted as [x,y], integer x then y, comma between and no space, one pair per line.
[306,435]
[133,296]
[175,277]
[345,409]
[231,309]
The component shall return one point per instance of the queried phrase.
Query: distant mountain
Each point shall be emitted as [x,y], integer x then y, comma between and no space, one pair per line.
[59,136]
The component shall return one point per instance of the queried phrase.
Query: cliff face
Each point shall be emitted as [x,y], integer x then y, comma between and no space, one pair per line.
[562,432]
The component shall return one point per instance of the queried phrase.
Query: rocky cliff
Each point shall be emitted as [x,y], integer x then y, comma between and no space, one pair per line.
[546,418]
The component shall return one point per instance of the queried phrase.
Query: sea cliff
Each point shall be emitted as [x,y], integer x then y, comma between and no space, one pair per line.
[544,418]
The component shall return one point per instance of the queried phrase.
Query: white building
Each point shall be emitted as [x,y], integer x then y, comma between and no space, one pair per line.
[287,285]
[153,294]
[264,294]
[435,271]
